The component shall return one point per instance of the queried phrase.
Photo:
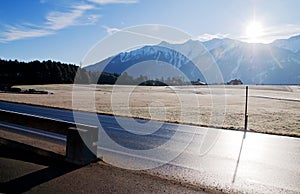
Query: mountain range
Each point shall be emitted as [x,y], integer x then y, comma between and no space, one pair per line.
[253,63]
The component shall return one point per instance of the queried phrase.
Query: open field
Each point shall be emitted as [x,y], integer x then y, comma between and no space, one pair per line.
[271,109]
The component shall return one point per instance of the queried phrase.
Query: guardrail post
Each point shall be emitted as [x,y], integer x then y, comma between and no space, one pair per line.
[246,113]
[82,145]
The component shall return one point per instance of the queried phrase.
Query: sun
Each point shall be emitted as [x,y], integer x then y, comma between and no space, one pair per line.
[254,31]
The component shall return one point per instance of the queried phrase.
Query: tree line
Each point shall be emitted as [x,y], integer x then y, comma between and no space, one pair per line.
[47,72]
[14,72]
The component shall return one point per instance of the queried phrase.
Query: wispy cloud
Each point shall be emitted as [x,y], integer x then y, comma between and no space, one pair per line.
[102,2]
[59,20]
[269,34]
[283,31]
[206,37]
[15,33]
[110,30]
[55,20]
[276,32]
[75,15]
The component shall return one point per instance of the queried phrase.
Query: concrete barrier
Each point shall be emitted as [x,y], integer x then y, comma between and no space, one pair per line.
[81,147]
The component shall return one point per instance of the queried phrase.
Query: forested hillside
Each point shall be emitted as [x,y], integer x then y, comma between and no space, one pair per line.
[45,72]
[51,72]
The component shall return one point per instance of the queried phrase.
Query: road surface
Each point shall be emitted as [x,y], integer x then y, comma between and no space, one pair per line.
[212,158]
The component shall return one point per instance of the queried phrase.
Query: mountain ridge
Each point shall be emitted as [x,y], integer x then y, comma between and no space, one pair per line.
[253,63]
[292,43]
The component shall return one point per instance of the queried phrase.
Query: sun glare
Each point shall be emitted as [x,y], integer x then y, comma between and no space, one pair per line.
[254,32]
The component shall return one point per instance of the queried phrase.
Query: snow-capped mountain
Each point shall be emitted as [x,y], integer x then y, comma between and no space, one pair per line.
[253,63]
[257,63]
[292,44]
[152,61]
[217,43]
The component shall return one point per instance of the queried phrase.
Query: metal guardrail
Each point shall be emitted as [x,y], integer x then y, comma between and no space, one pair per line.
[81,147]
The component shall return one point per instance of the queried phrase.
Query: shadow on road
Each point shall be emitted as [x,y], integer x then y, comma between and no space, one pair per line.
[54,164]
[238,160]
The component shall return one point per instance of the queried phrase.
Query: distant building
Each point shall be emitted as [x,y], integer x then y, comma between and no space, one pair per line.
[235,82]
[198,82]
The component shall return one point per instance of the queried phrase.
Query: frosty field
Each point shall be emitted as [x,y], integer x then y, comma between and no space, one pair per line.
[271,109]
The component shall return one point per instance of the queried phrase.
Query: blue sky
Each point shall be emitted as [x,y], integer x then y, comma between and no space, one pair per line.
[64,30]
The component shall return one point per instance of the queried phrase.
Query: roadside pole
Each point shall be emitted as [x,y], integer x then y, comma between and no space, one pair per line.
[246,113]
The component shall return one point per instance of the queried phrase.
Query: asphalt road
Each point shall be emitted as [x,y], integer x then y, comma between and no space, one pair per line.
[213,158]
